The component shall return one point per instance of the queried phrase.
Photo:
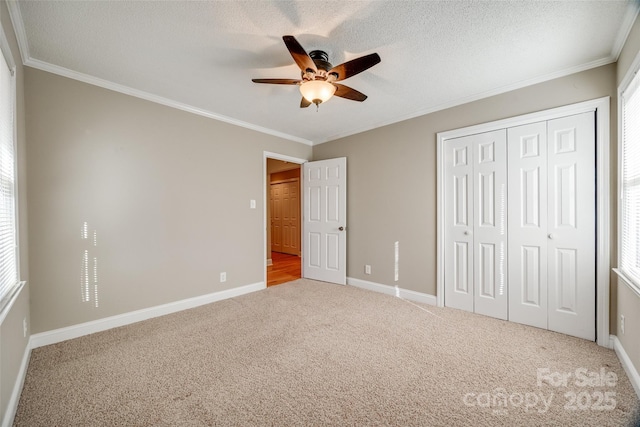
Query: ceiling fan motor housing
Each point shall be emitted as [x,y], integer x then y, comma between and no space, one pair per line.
[321,59]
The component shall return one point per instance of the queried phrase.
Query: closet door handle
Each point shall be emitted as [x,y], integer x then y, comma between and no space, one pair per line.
[341,228]
[467,232]
[551,236]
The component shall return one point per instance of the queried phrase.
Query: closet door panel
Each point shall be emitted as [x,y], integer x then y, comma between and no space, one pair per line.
[527,153]
[490,224]
[458,158]
[571,225]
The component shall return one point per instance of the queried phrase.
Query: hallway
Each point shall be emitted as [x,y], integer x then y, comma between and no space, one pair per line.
[285,268]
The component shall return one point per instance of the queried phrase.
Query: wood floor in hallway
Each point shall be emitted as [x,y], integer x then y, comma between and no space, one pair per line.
[285,268]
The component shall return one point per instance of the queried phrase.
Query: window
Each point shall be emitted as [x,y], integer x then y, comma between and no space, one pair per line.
[630,182]
[8,242]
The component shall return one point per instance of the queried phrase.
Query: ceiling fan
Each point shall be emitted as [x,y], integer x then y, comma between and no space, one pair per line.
[319,77]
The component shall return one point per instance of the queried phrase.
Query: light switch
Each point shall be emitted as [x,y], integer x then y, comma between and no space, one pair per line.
[252,204]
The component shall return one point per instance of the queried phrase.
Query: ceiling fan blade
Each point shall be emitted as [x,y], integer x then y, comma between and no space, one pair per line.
[346,92]
[304,103]
[299,55]
[278,81]
[355,66]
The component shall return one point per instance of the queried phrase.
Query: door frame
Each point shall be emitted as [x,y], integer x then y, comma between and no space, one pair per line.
[265,199]
[603,225]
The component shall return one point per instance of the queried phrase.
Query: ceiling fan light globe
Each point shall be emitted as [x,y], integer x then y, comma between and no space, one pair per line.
[317,91]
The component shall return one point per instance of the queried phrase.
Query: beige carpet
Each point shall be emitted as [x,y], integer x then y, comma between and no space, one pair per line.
[310,353]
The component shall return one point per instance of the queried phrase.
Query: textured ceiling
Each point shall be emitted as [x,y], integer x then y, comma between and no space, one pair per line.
[201,56]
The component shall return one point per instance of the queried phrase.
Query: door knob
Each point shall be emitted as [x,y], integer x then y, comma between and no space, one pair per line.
[551,236]
[467,232]
[341,228]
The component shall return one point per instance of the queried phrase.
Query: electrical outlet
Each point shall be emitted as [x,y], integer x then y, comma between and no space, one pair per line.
[367,269]
[622,323]
[25,327]
[223,277]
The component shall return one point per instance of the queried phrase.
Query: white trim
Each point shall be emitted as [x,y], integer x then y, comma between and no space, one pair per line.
[439,222]
[19,30]
[5,50]
[12,405]
[631,71]
[283,157]
[627,282]
[12,297]
[603,221]
[601,108]
[626,363]
[538,116]
[625,28]
[276,156]
[75,331]
[393,291]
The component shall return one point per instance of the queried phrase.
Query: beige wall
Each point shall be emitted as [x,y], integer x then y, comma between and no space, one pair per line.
[392,176]
[166,191]
[12,342]
[627,301]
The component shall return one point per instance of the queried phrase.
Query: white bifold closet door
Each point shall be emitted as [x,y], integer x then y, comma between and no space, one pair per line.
[552,225]
[520,224]
[476,223]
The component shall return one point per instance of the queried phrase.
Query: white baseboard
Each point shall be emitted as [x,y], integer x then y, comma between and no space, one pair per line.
[12,406]
[393,291]
[627,364]
[75,331]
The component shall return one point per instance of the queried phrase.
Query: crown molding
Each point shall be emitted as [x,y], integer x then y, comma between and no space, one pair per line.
[18,27]
[633,8]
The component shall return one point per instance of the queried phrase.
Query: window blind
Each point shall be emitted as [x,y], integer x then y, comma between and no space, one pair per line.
[8,258]
[630,182]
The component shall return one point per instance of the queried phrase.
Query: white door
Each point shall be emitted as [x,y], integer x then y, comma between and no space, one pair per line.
[528,224]
[325,220]
[571,225]
[552,225]
[490,224]
[476,223]
[458,276]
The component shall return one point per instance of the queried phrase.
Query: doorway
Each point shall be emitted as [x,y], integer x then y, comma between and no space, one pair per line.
[284,268]
[283,222]
[322,214]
